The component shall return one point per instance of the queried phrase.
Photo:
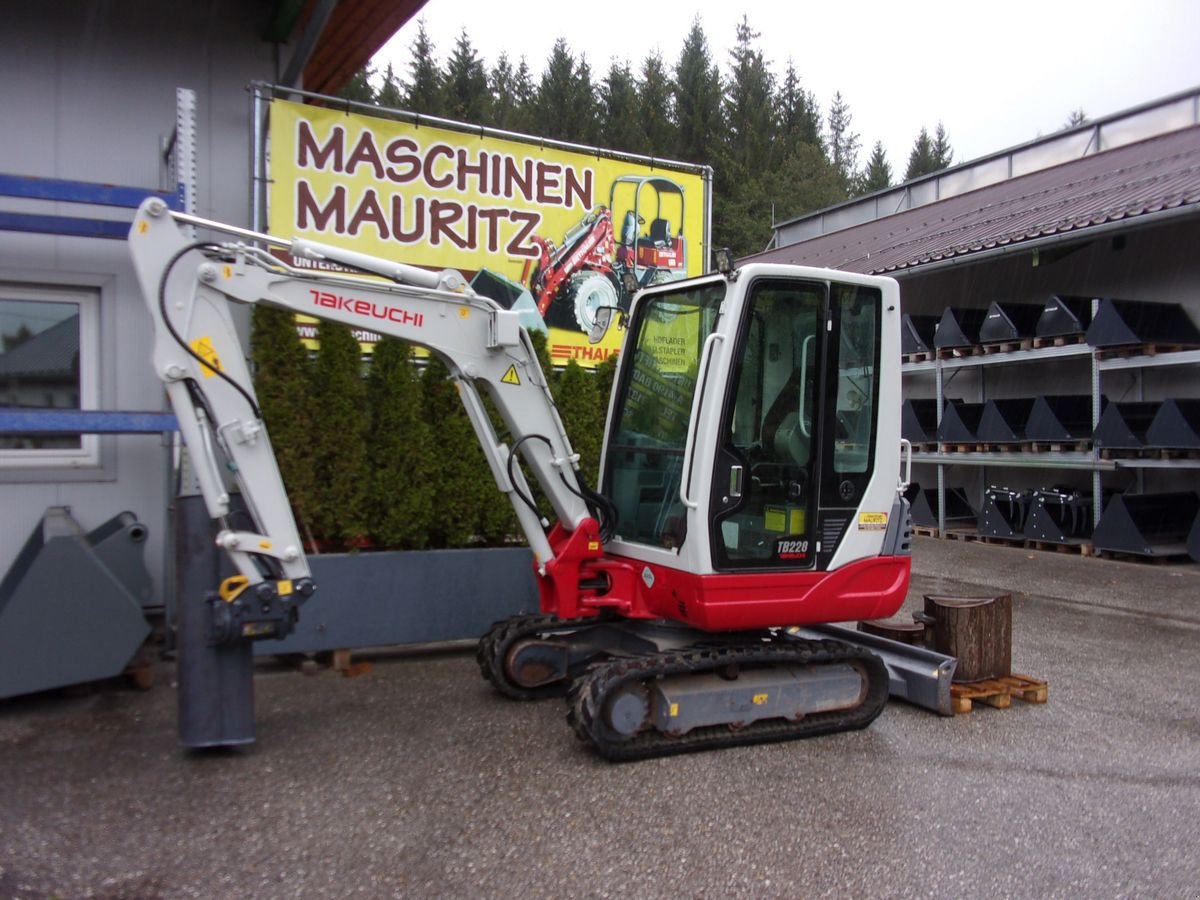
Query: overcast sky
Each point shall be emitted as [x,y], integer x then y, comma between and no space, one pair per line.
[996,74]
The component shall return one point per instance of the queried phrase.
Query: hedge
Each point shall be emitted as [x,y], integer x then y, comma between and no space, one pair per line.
[381,454]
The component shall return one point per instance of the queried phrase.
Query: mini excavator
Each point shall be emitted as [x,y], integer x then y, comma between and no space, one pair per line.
[749,485]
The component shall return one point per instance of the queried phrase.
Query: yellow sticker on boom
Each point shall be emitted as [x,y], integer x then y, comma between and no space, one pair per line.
[872,521]
[203,348]
[760,699]
[511,376]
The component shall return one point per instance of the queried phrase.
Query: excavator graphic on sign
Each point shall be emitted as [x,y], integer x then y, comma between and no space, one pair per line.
[591,269]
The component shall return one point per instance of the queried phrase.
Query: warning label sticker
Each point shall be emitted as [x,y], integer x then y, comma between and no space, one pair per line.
[204,349]
[872,521]
[511,376]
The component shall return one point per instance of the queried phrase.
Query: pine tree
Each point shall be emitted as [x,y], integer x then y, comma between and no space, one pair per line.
[654,99]
[877,176]
[749,107]
[281,381]
[403,450]
[390,95]
[741,214]
[696,99]
[921,160]
[423,92]
[464,83]
[358,88]
[620,112]
[843,143]
[338,429]
[799,112]
[555,106]
[943,153]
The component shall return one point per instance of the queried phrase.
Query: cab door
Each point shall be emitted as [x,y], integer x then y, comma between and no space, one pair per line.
[796,444]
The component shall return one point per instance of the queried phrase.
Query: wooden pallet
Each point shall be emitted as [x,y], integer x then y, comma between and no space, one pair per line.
[925,530]
[997,692]
[1012,346]
[1062,340]
[1079,446]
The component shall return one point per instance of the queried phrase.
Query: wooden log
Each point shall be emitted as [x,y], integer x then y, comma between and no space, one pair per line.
[895,630]
[977,631]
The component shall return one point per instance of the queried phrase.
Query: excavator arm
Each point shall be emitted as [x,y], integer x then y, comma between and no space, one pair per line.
[189,285]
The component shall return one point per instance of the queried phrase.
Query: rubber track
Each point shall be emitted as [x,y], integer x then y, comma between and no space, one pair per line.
[590,693]
[493,648]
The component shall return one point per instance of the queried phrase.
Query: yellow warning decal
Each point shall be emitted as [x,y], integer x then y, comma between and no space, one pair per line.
[593,545]
[204,349]
[511,376]
[464,312]
[143,227]
[872,521]
[760,699]
[232,586]
[285,588]
[674,710]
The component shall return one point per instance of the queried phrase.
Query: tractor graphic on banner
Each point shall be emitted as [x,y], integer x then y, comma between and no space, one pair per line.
[593,267]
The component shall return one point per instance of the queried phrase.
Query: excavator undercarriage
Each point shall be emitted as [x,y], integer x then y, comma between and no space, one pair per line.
[644,689]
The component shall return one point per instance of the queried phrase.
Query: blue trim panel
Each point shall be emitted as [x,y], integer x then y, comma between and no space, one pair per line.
[70,226]
[66,191]
[83,421]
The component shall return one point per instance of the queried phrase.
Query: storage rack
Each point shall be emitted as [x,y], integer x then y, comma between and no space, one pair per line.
[1090,460]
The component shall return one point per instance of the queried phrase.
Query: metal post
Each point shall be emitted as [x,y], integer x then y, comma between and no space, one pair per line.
[258,157]
[185,149]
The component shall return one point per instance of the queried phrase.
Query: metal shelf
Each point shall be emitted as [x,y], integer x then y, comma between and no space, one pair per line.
[1010,357]
[1079,461]
[1146,361]
[1082,461]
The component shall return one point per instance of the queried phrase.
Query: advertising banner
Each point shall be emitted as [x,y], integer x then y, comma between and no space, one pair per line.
[549,232]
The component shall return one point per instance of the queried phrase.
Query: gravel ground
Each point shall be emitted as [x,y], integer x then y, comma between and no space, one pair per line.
[415,780]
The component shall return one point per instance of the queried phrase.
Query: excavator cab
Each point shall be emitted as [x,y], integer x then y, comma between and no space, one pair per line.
[750,429]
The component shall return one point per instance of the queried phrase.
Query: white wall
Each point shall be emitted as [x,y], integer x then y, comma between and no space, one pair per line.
[89,94]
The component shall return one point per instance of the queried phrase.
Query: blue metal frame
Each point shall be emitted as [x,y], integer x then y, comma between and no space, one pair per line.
[60,190]
[84,421]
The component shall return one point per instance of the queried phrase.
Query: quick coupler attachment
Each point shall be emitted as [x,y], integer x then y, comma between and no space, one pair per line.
[267,610]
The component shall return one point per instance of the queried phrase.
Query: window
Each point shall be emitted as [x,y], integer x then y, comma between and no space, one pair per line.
[48,361]
[644,458]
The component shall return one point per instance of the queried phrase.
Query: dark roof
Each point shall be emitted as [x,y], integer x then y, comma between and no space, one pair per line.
[1137,183]
[52,353]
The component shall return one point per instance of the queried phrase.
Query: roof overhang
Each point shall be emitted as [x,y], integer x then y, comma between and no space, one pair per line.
[334,40]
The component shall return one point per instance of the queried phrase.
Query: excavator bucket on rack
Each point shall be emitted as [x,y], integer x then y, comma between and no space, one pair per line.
[1123,426]
[1003,421]
[1176,426]
[1009,322]
[1134,323]
[918,421]
[960,421]
[959,328]
[1059,419]
[1064,317]
[1148,524]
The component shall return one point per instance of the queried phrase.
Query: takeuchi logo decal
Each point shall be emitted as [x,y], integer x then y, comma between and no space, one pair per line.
[367,308]
[412,212]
